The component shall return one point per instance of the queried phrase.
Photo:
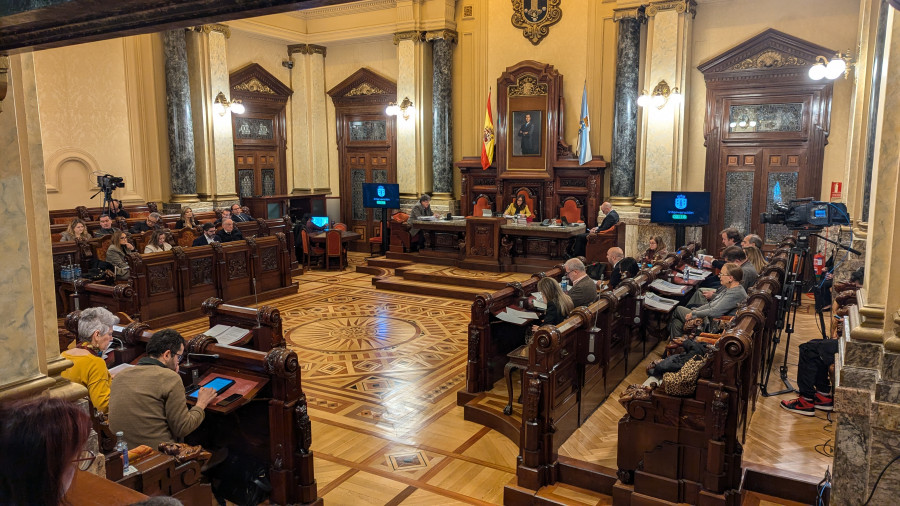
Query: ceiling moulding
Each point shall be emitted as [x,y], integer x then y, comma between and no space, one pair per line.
[251,27]
[345,9]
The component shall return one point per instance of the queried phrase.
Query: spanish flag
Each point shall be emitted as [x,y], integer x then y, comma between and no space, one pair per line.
[487,146]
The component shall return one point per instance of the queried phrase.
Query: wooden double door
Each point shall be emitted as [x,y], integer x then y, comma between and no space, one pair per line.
[257,172]
[364,165]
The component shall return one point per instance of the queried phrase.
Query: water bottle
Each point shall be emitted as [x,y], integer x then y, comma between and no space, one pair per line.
[65,273]
[76,274]
[565,285]
[687,273]
[122,446]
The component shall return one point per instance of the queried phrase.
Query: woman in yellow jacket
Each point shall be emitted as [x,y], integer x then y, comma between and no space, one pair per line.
[94,335]
[518,207]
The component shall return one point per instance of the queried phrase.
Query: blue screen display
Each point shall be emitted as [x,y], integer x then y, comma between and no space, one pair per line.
[679,208]
[381,195]
[320,221]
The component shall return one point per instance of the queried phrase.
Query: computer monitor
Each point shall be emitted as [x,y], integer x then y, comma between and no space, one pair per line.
[319,221]
[679,208]
[381,195]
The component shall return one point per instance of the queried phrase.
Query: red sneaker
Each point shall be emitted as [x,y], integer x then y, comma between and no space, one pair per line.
[801,406]
[824,402]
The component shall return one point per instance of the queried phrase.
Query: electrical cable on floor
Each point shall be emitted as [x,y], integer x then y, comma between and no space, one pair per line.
[826,448]
[820,488]
[895,459]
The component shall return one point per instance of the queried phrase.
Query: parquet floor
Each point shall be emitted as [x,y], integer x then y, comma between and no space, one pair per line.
[381,370]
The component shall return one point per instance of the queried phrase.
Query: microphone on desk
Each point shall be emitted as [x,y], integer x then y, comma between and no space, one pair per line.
[203,355]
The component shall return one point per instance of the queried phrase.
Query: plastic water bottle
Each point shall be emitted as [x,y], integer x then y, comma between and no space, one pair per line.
[565,285]
[76,273]
[122,446]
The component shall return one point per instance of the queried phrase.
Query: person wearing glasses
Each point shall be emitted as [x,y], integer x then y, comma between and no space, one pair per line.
[238,214]
[95,326]
[148,403]
[38,458]
[153,222]
[722,303]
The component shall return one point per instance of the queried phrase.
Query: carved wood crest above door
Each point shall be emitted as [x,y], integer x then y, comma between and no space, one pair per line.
[535,17]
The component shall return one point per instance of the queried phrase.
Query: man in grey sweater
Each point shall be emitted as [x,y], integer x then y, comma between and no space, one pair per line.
[722,303]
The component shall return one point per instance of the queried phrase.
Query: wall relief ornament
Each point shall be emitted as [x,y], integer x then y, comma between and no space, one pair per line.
[769,59]
[527,86]
[365,89]
[255,86]
[535,17]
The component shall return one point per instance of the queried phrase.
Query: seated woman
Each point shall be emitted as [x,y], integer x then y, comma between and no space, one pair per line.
[76,230]
[159,241]
[755,257]
[95,326]
[118,251]
[722,303]
[656,251]
[41,441]
[519,207]
[187,219]
[559,304]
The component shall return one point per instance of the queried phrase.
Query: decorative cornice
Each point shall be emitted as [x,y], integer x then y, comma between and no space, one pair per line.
[680,6]
[4,78]
[769,59]
[413,35]
[215,27]
[306,49]
[255,86]
[630,13]
[344,9]
[365,89]
[445,34]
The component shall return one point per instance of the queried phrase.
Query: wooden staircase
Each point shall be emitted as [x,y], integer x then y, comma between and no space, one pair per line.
[401,275]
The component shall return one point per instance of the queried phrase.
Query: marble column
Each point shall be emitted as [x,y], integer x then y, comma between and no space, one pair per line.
[213,140]
[624,155]
[442,42]
[413,134]
[29,349]
[181,131]
[309,118]
[867,399]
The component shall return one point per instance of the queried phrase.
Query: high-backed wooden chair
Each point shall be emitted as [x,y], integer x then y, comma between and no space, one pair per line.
[598,243]
[481,203]
[530,200]
[572,210]
[308,249]
[340,226]
[376,241]
[333,248]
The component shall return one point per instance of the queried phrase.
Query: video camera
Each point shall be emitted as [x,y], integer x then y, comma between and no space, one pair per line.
[807,214]
[108,183]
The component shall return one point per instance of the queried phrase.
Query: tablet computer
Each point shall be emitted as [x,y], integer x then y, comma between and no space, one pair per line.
[218,383]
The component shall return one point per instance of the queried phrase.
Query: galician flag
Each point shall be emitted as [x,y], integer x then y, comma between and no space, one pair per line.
[584,139]
[487,146]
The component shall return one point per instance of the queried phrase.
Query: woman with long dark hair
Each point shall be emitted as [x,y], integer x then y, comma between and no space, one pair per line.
[559,304]
[117,252]
[519,207]
[76,230]
[187,219]
[41,442]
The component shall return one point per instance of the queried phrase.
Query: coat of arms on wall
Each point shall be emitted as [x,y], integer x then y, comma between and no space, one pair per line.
[534,17]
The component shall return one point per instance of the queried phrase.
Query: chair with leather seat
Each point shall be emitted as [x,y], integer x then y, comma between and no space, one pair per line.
[376,240]
[572,210]
[482,202]
[309,250]
[334,248]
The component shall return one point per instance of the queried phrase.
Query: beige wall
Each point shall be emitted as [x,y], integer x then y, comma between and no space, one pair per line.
[720,26]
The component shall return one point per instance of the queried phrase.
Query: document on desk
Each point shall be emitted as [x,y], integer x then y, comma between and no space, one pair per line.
[226,334]
[507,317]
[694,273]
[669,288]
[658,303]
[119,368]
[528,315]
[538,301]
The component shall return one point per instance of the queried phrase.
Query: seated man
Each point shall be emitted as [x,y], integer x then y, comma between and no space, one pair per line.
[736,254]
[237,214]
[147,402]
[578,245]
[721,304]
[153,221]
[752,240]
[229,232]
[106,227]
[623,268]
[208,237]
[225,215]
[95,327]
[583,290]
[423,208]
[116,210]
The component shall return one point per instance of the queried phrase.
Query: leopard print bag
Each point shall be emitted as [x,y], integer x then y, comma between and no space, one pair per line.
[684,382]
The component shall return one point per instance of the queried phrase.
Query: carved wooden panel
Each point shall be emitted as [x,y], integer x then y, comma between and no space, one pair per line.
[237,266]
[201,271]
[160,279]
[483,241]
[269,259]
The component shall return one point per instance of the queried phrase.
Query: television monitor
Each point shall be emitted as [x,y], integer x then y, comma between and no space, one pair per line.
[319,221]
[381,195]
[679,208]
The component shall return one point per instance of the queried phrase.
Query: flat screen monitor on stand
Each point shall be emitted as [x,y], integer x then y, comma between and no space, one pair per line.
[680,209]
[384,196]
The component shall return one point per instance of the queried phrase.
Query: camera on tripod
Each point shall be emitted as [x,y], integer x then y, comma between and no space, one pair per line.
[107,183]
[806,214]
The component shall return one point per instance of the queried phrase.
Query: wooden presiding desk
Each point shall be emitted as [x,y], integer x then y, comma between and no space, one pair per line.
[496,243]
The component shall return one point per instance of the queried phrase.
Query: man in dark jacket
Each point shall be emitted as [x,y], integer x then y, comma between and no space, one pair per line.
[578,246]
[208,237]
[153,221]
[229,232]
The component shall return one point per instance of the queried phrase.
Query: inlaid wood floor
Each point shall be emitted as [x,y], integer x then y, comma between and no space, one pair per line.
[381,371]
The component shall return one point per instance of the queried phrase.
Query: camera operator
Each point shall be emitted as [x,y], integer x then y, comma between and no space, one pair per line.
[115,209]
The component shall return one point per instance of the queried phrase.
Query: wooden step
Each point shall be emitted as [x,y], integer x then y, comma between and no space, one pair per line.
[373,270]
[388,263]
[431,289]
[558,494]
[487,285]
[415,257]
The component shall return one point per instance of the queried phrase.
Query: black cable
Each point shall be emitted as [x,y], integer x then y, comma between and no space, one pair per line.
[826,448]
[895,459]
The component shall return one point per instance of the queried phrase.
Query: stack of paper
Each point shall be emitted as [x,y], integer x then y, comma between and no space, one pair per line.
[667,288]
[225,334]
[538,301]
[658,303]
[694,273]
[516,316]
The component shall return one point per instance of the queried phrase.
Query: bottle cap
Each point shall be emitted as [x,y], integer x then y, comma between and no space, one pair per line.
[120,433]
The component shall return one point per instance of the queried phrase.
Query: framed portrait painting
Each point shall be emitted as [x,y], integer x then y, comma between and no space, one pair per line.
[527,128]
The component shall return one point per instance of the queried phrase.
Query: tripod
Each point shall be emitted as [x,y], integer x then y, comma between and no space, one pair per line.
[789,302]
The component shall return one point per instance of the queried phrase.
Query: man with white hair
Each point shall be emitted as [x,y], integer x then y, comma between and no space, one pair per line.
[153,222]
[229,232]
[584,289]
[578,247]
[95,326]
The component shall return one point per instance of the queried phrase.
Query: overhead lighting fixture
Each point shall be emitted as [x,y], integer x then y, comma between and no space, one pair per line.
[221,105]
[839,64]
[405,109]
[660,96]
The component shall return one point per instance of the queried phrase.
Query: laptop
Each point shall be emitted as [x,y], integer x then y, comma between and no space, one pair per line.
[320,221]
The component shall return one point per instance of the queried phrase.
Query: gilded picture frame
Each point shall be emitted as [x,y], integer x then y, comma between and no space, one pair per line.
[535,17]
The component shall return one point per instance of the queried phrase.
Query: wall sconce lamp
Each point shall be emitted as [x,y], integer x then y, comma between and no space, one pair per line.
[405,109]
[840,64]
[660,96]
[221,105]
